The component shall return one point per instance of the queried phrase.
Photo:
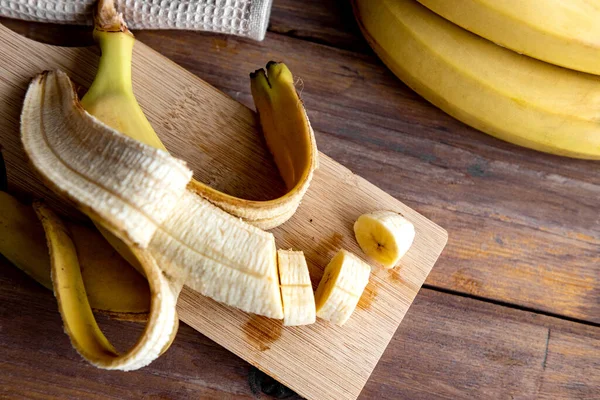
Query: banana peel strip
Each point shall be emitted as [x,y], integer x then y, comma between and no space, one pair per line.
[291,141]
[112,285]
[139,194]
[76,312]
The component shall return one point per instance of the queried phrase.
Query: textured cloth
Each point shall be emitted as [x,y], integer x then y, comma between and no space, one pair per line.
[247,18]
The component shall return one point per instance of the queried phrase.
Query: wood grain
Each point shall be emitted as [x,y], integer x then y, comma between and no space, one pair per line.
[219,139]
[524,226]
[447,347]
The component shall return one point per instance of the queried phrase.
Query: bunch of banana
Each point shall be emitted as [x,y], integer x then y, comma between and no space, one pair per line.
[498,91]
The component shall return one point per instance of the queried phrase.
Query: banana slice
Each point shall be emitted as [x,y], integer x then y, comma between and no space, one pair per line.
[296,288]
[343,282]
[385,236]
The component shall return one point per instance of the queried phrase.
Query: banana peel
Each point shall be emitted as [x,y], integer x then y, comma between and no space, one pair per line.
[76,312]
[113,287]
[284,122]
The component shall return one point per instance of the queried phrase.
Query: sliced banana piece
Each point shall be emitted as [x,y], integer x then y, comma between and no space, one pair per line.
[343,282]
[385,236]
[296,288]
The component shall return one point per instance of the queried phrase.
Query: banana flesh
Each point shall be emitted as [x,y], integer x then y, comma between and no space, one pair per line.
[563,33]
[76,312]
[285,124]
[296,289]
[112,286]
[512,97]
[341,287]
[384,236]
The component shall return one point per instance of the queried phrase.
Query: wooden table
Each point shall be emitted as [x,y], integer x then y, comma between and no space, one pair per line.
[510,311]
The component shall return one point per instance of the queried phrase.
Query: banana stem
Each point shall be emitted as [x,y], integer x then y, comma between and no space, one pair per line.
[114,69]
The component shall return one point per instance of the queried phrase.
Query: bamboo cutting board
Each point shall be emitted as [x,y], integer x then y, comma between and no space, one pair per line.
[220,140]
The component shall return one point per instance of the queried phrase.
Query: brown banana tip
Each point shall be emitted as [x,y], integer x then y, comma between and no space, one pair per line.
[258,72]
[272,63]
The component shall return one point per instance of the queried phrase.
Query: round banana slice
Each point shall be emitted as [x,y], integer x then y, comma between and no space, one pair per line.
[343,282]
[385,236]
[296,289]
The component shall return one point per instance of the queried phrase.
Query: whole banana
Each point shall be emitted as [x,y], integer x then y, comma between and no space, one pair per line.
[564,33]
[505,94]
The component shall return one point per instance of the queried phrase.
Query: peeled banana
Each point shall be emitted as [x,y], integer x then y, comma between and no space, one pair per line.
[564,33]
[284,122]
[385,236]
[139,194]
[296,288]
[145,202]
[507,95]
[341,287]
[111,284]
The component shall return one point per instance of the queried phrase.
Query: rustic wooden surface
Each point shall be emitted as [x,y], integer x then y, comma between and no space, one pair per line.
[219,139]
[511,309]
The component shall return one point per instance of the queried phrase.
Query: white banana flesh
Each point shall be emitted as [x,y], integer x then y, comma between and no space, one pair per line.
[384,236]
[344,280]
[221,256]
[296,289]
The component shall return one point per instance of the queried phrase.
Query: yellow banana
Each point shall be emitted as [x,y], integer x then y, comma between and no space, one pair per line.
[565,33]
[79,322]
[507,95]
[285,124]
[342,285]
[111,284]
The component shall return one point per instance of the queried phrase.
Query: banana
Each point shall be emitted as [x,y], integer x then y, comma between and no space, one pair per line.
[139,194]
[285,125]
[79,322]
[111,284]
[564,33]
[341,286]
[296,289]
[512,97]
[385,236]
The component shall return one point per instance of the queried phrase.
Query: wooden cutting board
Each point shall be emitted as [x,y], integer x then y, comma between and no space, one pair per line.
[221,142]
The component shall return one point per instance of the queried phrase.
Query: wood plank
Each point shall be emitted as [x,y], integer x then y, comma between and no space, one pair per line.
[219,138]
[447,347]
[524,226]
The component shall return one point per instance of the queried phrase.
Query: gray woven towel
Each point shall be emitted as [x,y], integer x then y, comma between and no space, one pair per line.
[247,18]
